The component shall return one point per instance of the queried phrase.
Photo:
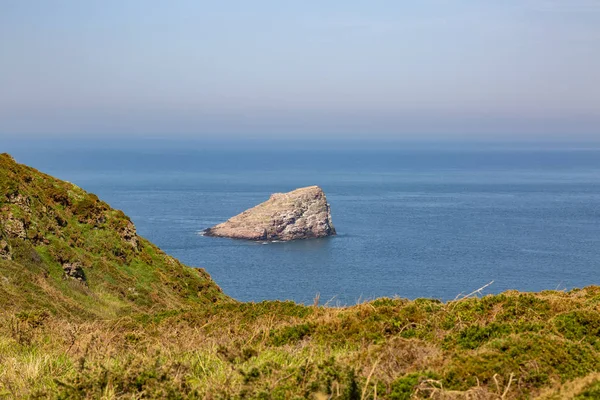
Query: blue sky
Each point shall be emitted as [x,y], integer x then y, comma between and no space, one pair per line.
[390,69]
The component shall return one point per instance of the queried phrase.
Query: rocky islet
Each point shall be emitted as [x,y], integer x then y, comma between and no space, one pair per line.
[300,214]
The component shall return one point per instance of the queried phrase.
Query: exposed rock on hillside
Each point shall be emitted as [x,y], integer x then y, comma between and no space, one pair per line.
[129,234]
[299,214]
[14,227]
[4,250]
[74,271]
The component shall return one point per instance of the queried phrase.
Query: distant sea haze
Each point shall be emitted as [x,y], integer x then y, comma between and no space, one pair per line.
[410,223]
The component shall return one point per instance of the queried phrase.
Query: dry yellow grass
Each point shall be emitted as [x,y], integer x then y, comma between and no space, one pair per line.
[382,349]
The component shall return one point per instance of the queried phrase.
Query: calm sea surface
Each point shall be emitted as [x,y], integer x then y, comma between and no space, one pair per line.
[412,223]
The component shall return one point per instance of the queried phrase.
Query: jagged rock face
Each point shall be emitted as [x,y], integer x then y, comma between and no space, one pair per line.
[300,214]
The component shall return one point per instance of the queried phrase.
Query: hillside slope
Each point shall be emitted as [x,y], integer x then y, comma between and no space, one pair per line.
[66,251]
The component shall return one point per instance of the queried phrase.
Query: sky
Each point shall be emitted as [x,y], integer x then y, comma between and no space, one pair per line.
[288,69]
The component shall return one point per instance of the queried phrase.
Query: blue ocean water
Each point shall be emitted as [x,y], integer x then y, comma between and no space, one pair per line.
[412,223]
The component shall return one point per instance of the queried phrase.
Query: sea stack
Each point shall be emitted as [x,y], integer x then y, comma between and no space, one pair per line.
[300,214]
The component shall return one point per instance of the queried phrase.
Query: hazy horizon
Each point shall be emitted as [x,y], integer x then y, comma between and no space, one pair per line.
[378,71]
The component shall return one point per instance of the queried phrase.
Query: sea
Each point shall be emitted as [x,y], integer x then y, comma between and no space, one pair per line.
[412,221]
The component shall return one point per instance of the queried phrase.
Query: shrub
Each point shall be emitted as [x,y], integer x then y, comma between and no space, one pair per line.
[578,325]
[59,195]
[404,387]
[592,391]
[290,334]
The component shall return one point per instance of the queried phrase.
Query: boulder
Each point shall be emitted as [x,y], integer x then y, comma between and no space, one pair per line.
[74,271]
[300,214]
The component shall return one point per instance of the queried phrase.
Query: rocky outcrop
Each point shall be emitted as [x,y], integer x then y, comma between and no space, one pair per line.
[5,251]
[22,201]
[300,214]
[74,271]
[129,235]
[13,226]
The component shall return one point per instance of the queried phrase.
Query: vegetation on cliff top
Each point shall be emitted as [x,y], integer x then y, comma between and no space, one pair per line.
[91,310]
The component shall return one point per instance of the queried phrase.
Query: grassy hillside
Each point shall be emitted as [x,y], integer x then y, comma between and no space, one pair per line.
[67,252]
[91,310]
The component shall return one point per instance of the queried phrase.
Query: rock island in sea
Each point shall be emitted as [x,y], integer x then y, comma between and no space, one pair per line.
[300,214]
